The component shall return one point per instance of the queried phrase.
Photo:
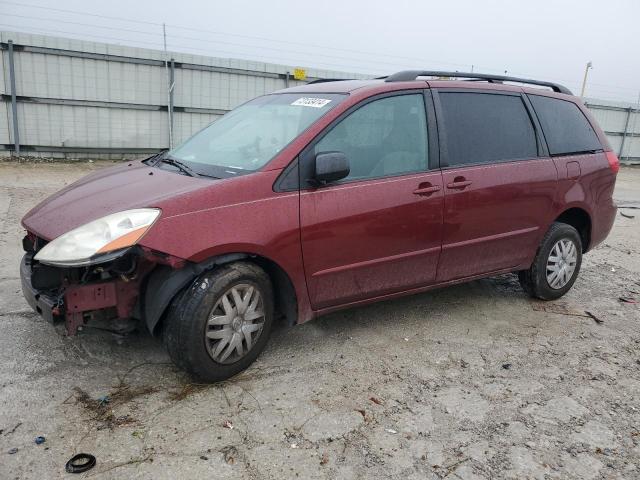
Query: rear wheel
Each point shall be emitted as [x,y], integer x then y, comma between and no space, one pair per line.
[556,265]
[221,323]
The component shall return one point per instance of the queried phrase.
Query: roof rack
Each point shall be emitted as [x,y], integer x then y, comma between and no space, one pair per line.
[409,75]
[325,80]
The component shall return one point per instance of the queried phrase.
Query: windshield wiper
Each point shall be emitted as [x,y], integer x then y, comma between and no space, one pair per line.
[179,165]
[153,160]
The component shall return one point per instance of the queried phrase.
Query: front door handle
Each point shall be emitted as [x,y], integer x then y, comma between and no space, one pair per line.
[426,189]
[459,183]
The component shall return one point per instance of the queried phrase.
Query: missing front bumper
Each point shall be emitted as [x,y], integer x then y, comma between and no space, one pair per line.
[76,303]
[44,305]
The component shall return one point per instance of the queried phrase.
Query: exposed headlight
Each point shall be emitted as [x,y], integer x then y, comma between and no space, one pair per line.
[100,240]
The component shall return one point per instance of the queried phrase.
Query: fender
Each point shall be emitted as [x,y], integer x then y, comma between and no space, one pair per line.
[165,282]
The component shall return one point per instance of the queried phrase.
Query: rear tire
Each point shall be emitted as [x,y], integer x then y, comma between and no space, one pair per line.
[556,264]
[219,325]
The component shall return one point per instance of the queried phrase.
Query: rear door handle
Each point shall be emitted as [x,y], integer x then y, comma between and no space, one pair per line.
[426,189]
[459,184]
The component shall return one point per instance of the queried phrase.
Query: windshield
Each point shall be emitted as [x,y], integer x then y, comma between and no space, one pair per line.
[248,137]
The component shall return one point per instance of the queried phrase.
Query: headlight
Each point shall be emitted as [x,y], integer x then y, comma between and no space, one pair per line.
[100,240]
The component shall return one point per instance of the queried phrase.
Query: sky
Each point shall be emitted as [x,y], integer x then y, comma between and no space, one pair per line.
[542,39]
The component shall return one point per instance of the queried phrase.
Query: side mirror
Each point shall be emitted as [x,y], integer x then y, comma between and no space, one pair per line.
[330,167]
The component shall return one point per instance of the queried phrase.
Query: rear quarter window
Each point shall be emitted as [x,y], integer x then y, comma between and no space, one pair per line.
[565,127]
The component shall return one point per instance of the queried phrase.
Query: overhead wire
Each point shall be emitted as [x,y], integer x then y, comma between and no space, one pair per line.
[610,89]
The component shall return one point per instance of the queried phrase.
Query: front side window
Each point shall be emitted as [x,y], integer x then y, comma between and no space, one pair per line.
[565,127]
[486,128]
[382,138]
[246,138]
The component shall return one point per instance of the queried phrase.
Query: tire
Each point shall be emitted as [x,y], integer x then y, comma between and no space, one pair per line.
[200,321]
[534,281]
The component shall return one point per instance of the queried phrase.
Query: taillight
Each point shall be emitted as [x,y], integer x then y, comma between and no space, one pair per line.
[614,163]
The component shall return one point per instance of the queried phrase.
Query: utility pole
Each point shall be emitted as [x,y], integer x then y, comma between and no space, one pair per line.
[164,37]
[584,80]
[170,84]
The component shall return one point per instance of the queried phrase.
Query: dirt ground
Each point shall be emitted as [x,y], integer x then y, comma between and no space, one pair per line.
[470,382]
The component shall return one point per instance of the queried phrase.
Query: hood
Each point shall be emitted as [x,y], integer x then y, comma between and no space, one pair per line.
[110,190]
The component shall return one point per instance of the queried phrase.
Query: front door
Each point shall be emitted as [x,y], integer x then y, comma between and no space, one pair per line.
[378,231]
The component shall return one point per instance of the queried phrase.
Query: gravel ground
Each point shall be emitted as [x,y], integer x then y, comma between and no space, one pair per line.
[473,381]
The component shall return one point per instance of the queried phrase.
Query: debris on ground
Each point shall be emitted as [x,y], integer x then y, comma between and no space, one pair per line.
[12,451]
[39,440]
[558,308]
[596,319]
[13,429]
[230,454]
[186,391]
[228,424]
[377,401]
[628,300]
[449,469]
[103,411]
[324,459]
[80,463]
[390,430]
[564,309]
[626,215]
[506,366]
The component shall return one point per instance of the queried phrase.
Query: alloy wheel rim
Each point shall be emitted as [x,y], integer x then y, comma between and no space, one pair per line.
[235,323]
[561,263]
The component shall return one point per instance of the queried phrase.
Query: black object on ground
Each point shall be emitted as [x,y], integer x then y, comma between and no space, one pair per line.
[40,440]
[14,428]
[628,300]
[506,366]
[595,319]
[626,215]
[80,463]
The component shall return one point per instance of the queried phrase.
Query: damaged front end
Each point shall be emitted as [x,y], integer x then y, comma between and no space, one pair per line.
[91,294]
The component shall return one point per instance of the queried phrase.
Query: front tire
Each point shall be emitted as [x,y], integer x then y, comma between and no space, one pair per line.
[220,324]
[556,264]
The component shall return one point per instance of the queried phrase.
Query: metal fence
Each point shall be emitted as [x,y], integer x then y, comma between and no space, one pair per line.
[621,124]
[78,99]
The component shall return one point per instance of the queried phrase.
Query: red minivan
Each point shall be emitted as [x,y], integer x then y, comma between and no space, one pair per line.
[322,197]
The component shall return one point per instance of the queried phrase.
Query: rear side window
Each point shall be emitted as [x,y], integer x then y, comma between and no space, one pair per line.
[485,128]
[565,127]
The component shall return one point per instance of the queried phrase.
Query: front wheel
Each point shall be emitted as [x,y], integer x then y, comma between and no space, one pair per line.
[556,265]
[220,324]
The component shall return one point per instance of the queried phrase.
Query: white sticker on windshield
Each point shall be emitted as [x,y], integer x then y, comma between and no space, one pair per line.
[311,102]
